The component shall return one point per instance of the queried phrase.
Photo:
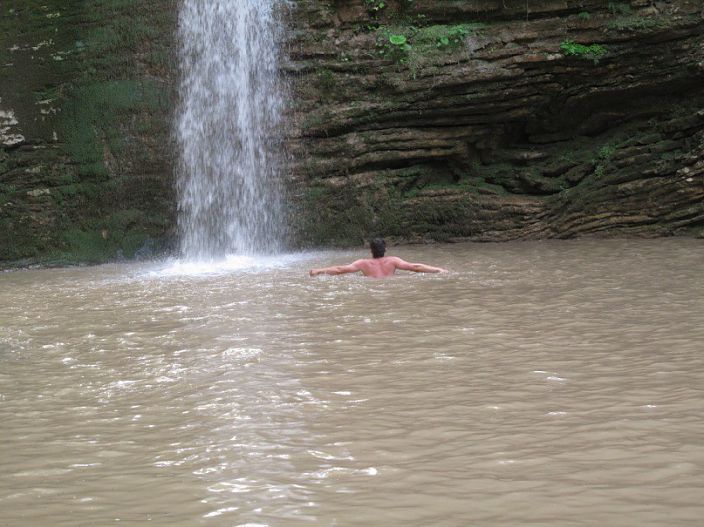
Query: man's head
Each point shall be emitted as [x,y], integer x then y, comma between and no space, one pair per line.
[378,247]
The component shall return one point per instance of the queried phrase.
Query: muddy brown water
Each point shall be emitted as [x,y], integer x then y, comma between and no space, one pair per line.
[550,383]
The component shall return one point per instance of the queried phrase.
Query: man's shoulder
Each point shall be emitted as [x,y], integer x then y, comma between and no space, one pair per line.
[394,259]
[370,262]
[362,263]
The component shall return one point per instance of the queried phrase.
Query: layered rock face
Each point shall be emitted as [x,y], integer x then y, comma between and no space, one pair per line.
[85,107]
[497,120]
[413,119]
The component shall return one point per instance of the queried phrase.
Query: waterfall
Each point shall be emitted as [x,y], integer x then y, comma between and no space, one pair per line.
[231,100]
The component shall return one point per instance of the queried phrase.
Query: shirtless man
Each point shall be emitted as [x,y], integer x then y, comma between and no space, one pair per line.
[379,266]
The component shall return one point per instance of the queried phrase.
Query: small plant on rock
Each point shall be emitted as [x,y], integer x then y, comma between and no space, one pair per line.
[393,44]
[606,152]
[454,36]
[592,51]
[399,48]
[374,6]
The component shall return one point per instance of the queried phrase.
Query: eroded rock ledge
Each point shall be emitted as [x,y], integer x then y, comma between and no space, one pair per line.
[447,120]
[413,119]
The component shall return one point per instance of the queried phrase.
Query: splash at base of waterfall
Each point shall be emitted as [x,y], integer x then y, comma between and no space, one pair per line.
[228,265]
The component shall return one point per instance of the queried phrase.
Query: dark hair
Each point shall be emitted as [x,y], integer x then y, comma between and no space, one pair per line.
[378,247]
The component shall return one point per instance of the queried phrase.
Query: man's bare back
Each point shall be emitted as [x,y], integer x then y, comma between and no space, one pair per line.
[379,266]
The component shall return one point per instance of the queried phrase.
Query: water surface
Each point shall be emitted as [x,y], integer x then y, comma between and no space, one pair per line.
[551,383]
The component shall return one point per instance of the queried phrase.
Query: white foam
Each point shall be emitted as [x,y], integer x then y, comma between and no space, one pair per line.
[227,265]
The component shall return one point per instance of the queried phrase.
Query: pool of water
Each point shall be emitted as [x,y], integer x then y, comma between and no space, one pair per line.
[546,383]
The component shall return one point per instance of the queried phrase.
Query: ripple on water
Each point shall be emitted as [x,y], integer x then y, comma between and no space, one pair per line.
[542,384]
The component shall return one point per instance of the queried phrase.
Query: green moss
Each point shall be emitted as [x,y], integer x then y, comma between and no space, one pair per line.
[120,235]
[619,8]
[329,216]
[86,246]
[635,23]
[91,117]
[119,36]
[314,120]
[109,113]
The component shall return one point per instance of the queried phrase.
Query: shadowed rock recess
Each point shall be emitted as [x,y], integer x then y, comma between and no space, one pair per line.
[414,119]
[498,120]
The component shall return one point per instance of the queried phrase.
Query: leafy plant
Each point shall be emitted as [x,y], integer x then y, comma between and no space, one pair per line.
[603,156]
[454,36]
[584,15]
[443,37]
[398,40]
[374,6]
[606,151]
[572,48]
[399,47]
[413,45]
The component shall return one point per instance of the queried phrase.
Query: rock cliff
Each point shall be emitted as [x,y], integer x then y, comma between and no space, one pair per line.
[498,120]
[413,119]
[85,109]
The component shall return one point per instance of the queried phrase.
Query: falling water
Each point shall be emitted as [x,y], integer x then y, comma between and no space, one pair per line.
[231,103]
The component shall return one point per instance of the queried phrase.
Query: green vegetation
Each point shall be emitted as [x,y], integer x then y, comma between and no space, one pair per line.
[626,20]
[634,23]
[603,157]
[412,44]
[374,6]
[452,36]
[96,85]
[7,192]
[606,152]
[592,51]
[84,123]
[444,37]
[398,48]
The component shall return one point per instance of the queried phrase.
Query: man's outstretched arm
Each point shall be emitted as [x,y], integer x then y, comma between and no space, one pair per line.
[417,267]
[337,269]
